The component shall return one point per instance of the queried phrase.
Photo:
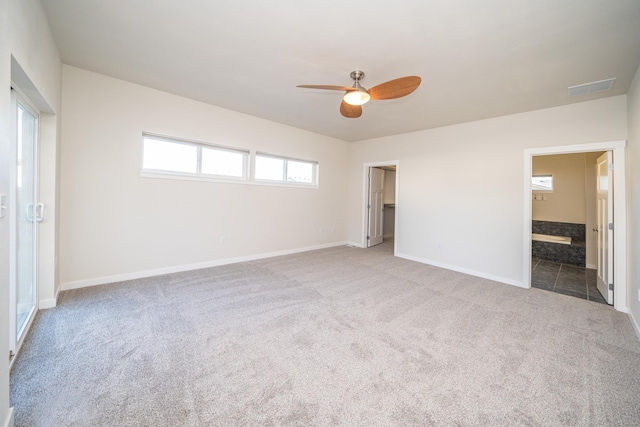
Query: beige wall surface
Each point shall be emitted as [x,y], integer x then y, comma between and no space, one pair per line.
[633,226]
[389,198]
[114,222]
[567,201]
[462,187]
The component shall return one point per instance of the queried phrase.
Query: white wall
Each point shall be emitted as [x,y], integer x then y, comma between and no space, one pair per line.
[115,224]
[461,192]
[25,35]
[633,226]
[37,69]
[5,96]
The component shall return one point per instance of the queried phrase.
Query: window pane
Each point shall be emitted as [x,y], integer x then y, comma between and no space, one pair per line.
[299,172]
[542,183]
[269,168]
[220,162]
[169,156]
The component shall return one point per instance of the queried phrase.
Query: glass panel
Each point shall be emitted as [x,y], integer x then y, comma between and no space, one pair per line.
[25,221]
[269,168]
[300,172]
[542,183]
[222,162]
[169,156]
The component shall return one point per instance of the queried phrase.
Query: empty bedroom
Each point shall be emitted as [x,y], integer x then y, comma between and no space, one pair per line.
[238,213]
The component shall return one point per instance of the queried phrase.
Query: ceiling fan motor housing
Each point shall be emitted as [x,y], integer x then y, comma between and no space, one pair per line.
[357,75]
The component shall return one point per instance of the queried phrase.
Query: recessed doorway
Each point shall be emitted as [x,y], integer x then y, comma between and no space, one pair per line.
[380,204]
[617,225]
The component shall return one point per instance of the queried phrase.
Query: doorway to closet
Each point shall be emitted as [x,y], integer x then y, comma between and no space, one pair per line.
[380,207]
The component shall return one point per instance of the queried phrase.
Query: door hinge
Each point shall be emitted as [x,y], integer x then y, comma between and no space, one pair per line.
[11,354]
[610,286]
[610,166]
[368,206]
[610,226]
[367,237]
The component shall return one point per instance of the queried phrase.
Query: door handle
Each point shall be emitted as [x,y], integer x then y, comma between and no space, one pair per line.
[39,212]
[28,212]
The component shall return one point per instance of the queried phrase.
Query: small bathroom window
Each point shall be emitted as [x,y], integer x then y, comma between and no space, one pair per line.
[542,183]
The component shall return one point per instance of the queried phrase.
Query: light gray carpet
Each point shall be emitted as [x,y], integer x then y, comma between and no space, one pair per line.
[341,336]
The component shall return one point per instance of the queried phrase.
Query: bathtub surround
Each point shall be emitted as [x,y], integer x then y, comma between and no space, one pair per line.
[340,336]
[562,240]
[573,254]
[554,228]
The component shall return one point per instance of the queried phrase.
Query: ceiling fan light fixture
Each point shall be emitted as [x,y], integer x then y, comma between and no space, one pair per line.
[357,97]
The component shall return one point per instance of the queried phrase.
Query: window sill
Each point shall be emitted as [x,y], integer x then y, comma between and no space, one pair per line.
[220,180]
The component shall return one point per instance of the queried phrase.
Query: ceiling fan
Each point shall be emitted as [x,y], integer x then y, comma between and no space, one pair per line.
[356,96]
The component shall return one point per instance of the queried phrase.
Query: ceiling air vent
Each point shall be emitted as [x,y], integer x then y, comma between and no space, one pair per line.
[593,87]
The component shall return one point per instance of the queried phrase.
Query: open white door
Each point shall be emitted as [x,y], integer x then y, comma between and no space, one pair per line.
[604,175]
[375,234]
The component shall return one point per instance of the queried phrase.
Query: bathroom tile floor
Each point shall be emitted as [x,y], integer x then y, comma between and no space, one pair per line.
[565,279]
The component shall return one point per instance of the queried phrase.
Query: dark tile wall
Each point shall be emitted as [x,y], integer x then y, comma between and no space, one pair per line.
[575,231]
[574,254]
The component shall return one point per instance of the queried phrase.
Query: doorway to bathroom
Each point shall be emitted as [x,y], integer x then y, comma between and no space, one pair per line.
[575,221]
[565,246]
[380,205]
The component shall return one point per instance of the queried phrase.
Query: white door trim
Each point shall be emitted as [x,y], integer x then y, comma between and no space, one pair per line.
[619,211]
[365,197]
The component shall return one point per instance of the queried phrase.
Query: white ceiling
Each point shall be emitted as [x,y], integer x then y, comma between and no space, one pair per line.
[477,59]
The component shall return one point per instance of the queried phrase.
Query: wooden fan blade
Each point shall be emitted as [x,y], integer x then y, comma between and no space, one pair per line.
[350,111]
[395,88]
[329,87]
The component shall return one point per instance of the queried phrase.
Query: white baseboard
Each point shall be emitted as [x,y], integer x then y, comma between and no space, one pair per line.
[592,266]
[180,268]
[635,323]
[43,304]
[463,270]
[386,236]
[9,421]
[357,245]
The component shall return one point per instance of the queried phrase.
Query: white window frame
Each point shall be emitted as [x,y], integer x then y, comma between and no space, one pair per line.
[283,182]
[539,190]
[198,175]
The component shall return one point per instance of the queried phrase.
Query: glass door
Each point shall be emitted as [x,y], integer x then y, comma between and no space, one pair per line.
[25,214]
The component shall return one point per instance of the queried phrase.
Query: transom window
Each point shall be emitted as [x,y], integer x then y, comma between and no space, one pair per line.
[542,183]
[281,169]
[171,156]
[166,157]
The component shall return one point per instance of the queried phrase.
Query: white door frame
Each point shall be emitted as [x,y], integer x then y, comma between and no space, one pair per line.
[619,211]
[365,198]
[15,341]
